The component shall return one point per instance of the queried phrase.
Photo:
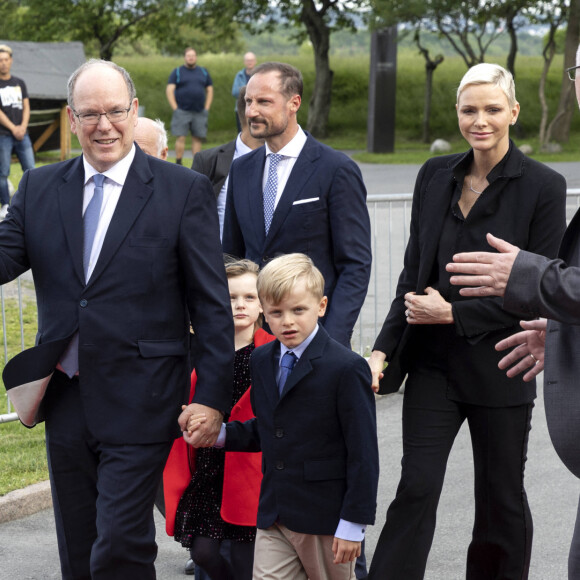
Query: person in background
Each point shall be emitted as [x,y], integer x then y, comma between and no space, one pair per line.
[14,117]
[241,80]
[151,136]
[215,163]
[445,342]
[212,496]
[190,95]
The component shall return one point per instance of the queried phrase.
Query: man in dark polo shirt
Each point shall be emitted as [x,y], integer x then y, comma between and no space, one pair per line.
[190,94]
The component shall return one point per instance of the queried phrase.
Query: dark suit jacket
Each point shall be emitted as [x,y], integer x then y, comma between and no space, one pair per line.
[332,225]
[160,259]
[551,288]
[318,439]
[525,205]
[215,164]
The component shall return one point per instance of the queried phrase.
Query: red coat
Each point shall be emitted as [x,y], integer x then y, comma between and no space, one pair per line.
[242,474]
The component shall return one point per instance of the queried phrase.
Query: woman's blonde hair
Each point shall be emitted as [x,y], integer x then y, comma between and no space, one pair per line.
[490,74]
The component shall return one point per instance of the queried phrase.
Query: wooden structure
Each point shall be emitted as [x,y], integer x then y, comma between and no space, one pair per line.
[45,68]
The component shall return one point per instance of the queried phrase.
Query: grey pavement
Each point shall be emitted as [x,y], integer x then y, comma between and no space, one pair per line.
[28,544]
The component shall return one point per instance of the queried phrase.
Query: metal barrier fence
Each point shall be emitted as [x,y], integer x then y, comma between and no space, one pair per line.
[390,215]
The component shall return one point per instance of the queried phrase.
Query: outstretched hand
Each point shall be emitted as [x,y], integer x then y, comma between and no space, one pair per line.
[528,352]
[487,271]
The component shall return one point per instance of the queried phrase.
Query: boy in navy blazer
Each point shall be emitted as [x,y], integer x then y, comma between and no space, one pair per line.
[316,427]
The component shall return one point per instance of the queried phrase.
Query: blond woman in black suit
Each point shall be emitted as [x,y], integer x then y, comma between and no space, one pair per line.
[445,341]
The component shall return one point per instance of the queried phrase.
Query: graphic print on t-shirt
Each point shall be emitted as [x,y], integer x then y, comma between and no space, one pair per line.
[11,96]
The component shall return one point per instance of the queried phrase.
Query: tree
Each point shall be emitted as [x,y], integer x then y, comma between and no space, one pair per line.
[559,128]
[313,19]
[554,16]
[430,66]
[103,21]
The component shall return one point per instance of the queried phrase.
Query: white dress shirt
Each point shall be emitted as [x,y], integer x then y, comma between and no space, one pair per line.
[290,151]
[112,186]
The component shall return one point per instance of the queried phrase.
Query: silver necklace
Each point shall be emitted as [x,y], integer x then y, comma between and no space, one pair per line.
[471,186]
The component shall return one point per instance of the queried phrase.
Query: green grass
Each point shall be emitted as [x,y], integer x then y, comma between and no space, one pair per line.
[22,456]
[348,114]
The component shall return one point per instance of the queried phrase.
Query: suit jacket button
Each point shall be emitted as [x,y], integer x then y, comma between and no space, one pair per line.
[279,433]
[83,303]
[279,465]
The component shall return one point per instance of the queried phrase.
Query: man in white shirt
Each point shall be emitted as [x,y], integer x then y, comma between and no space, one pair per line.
[313,201]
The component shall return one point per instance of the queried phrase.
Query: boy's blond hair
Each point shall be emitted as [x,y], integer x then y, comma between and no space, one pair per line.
[278,278]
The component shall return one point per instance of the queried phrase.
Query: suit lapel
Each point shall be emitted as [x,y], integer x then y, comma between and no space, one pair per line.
[70,197]
[436,203]
[570,237]
[250,178]
[304,366]
[267,371]
[134,196]
[301,173]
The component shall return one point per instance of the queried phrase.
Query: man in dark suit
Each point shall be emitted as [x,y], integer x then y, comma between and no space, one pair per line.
[215,163]
[535,286]
[298,195]
[119,313]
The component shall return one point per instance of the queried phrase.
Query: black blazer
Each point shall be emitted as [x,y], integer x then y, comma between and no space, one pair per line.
[215,164]
[318,439]
[161,261]
[322,213]
[525,204]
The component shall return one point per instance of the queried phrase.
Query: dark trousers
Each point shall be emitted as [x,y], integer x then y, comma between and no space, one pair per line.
[502,533]
[102,494]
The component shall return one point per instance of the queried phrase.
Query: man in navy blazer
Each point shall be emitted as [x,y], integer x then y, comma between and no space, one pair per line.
[123,314]
[320,199]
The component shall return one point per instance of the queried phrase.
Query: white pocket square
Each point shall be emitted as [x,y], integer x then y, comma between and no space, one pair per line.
[309,200]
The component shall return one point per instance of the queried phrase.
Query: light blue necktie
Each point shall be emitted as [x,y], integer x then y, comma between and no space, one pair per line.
[91,221]
[70,360]
[286,365]
[271,189]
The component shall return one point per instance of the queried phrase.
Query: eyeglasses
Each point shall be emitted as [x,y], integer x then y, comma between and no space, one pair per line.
[572,72]
[95,118]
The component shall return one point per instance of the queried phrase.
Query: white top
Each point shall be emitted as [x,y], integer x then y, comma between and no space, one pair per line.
[291,151]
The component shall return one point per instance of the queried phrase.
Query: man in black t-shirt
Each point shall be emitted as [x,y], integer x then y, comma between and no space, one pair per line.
[14,116]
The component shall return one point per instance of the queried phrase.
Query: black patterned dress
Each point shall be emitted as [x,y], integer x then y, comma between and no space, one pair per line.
[198,512]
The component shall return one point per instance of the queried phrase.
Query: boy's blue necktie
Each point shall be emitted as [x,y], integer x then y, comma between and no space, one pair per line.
[286,365]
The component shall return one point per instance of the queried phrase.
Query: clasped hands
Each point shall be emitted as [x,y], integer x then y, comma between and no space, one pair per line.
[200,424]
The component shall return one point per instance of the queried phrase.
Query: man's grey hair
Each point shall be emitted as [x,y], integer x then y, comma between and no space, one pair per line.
[161,135]
[95,62]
